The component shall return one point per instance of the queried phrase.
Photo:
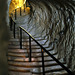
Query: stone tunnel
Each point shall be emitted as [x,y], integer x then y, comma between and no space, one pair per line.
[53,20]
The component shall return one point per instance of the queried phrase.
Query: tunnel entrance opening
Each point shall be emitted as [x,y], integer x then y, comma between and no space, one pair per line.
[18,6]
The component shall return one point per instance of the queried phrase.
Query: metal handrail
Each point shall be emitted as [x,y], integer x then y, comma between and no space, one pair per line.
[42,50]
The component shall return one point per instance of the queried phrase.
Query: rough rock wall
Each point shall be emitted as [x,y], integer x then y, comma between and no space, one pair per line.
[3,38]
[57,17]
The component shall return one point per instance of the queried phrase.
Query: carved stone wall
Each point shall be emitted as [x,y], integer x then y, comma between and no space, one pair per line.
[3,38]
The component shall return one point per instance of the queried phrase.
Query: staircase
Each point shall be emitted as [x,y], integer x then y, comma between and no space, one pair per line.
[19,59]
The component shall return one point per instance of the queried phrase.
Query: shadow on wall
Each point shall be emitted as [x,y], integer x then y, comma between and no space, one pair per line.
[3,38]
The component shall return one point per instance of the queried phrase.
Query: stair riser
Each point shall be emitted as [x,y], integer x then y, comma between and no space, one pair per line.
[23,57]
[18,73]
[37,69]
[23,43]
[16,51]
[27,54]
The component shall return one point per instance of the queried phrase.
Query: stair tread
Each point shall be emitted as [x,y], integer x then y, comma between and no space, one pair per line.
[27,60]
[24,50]
[17,51]
[33,64]
[51,72]
[38,58]
[53,68]
[25,55]
[19,70]
[26,39]
[24,47]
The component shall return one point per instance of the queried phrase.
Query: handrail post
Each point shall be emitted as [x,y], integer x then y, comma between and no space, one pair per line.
[42,52]
[14,30]
[20,11]
[24,7]
[15,14]
[11,23]
[30,48]
[20,38]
